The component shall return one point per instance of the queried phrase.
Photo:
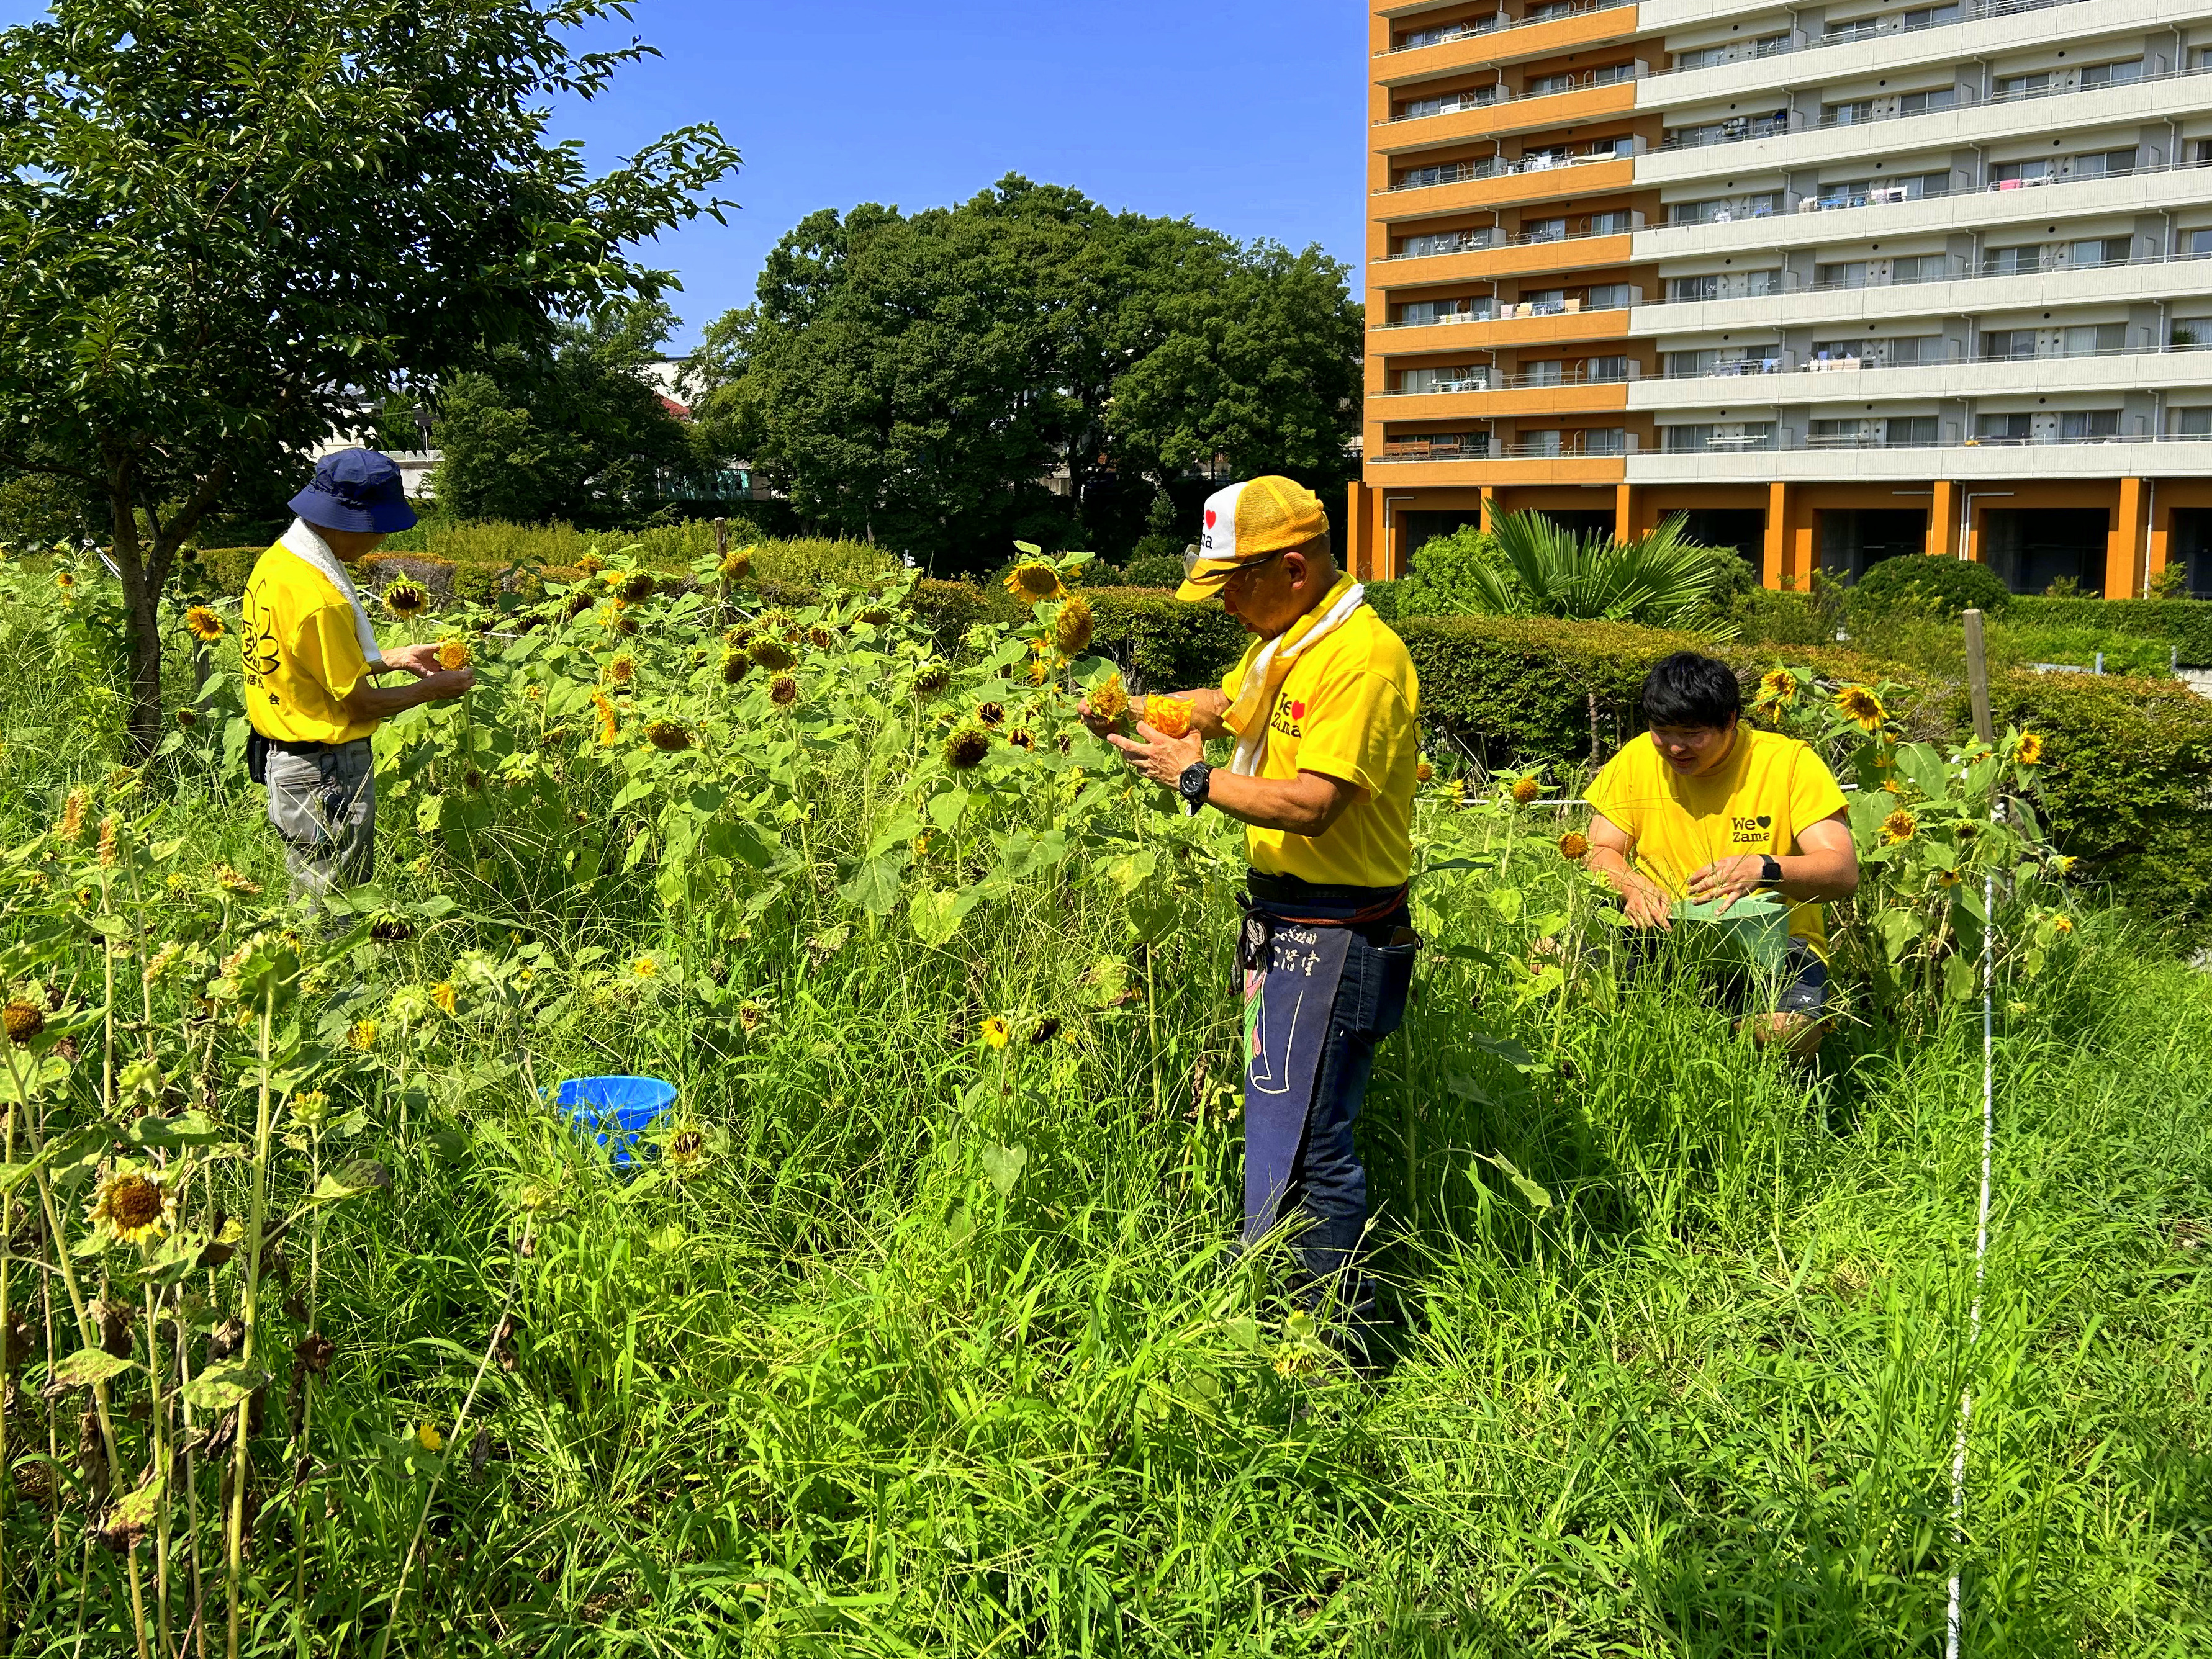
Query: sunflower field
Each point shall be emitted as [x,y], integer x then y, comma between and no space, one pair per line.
[914,1325]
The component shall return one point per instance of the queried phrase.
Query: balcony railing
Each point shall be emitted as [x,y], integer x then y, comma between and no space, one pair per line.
[1465,172]
[1578,446]
[1477,98]
[1491,240]
[1736,130]
[1791,285]
[1498,23]
[1783,362]
[1870,28]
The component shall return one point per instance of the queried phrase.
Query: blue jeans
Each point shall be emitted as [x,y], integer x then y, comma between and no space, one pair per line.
[1328,1184]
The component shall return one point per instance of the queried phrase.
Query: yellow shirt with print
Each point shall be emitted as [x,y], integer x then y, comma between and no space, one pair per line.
[1770,788]
[1346,710]
[302,658]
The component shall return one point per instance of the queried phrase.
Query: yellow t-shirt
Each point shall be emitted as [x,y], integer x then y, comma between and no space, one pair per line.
[1346,710]
[1770,787]
[302,658]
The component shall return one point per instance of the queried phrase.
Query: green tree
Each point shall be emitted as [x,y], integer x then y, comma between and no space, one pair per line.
[574,433]
[224,224]
[916,380]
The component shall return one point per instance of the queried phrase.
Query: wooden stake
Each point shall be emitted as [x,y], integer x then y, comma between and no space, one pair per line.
[1977,678]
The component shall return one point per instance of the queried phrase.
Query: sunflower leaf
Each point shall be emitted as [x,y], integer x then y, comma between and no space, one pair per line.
[219,1387]
[86,1368]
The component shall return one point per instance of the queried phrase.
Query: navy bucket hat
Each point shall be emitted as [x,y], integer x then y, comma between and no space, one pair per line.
[358,490]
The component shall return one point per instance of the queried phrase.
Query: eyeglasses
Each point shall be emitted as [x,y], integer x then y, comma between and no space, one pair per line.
[1190,559]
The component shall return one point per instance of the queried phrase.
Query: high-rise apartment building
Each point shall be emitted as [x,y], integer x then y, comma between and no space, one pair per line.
[1840,282]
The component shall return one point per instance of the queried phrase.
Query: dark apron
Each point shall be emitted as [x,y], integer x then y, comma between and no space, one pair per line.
[1291,951]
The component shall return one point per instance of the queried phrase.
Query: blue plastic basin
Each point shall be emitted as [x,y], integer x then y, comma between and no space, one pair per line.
[615,1110]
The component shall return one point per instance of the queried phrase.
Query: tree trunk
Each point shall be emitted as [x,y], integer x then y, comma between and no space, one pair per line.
[141,625]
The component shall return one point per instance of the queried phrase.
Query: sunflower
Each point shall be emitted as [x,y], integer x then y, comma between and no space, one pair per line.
[1022,738]
[773,655]
[107,843]
[158,964]
[736,665]
[1574,845]
[821,638]
[231,881]
[361,1035]
[1859,704]
[609,722]
[736,565]
[64,580]
[203,624]
[687,1150]
[131,1207]
[452,654]
[1109,698]
[996,1034]
[636,587]
[875,616]
[406,597]
[622,671]
[1526,789]
[2062,924]
[390,930]
[576,605]
[992,714]
[1423,771]
[443,995]
[1072,627]
[1779,686]
[591,564]
[24,1020]
[2064,863]
[783,691]
[1898,827]
[668,736]
[932,677]
[1947,878]
[647,966]
[751,1016]
[187,718]
[72,824]
[1033,580]
[2029,751]
[965,749]
[1168,716]
[427,1438]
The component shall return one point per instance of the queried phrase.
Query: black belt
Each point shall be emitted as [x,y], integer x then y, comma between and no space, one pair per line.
[259,748]
[1378,915]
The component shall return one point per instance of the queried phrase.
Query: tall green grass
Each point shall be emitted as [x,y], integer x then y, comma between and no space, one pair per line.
[874,1383]
[800,561]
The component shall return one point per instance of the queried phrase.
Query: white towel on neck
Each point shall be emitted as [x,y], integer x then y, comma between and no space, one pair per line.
[1273,663]
[302,543]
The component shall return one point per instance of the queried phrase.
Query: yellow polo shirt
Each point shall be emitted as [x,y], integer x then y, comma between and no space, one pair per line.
[1346,710]
[1771,787]
[301,656]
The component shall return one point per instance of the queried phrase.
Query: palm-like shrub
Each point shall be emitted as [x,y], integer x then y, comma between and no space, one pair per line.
[1661,579]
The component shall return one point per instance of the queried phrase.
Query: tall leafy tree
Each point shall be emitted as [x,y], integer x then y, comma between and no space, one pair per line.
[917,378]
[226,222]
[575,433]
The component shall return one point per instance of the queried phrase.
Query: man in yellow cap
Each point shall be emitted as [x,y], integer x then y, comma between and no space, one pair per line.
[1321,711]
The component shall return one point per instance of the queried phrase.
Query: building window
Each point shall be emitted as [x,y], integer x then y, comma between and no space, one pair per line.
[2003,428]
[2089,426]
[2012,175]
[2009,87]
[2099,250]
[1446,241]
[1612,296]
[1916,432]
[2192,423]
[1605,440]
[1416,313]
[1928,102]
[2112,75]
[2103,163]
[1929,17]
[2199,244]
[1549,373]
[2013,261]
[2007,345]
[1619,222]
[1463,377]
[1606,371]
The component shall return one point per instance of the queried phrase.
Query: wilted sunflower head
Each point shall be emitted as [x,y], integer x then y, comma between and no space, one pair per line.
[231,881]
[737,565]
[751,1016]
[821,638]
[736,665]
[132,1207]
[932,677]
[591,564]
[875,616]
[964,750]
[203,624]
[1526,789]
[1422,771]
[687,1150]
[24,1019]
[452,653]
[406,597]
[188,718]
[2029,751]
[1022,738]
[783,691]
[1072,627]
[1900,826]
[637,587]
[668,736]
[1033,580]
[771,654]
[73,806]
[576,605]
[1574,845]
[621,670]
[1862,705]
[390,930]
[1109,698]
[992,714]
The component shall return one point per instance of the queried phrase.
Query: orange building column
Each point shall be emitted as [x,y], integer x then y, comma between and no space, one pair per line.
[1771,564]
[1360,532]
[2124,547]
[2161,537]
[1944,521]
[1489,506]
[1624,512]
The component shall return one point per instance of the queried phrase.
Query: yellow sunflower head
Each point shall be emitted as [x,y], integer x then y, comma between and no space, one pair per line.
[361,1036]
[1574,845]
[1777,686]
[1034,581]
[203,624]
[591,564]
[443,995]
[1109,698]
[2029,750]
[427,1438]
[2062,924]
[621,670]
[1424,771]
[737,565]
[1526,789]
[609,721]
[452,653]
[1948,878]
[1071,629]
[1861,704]
[647,966]
[996,1034]
[132,1207]
[1898,827]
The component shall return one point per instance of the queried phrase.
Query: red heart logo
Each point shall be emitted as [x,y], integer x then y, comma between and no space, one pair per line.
[1210,516]
[1298,710]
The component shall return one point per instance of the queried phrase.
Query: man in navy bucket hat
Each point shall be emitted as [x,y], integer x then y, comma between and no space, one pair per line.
[311,661]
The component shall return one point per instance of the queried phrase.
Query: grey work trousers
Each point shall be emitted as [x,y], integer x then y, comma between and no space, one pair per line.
[324,804]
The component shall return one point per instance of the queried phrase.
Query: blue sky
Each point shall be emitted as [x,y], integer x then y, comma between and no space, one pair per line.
[1244,115]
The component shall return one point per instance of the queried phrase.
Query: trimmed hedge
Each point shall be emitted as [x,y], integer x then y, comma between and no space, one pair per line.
[2185,624]
[1160,643]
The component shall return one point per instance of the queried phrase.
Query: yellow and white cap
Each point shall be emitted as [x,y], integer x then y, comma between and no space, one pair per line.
[1246,523]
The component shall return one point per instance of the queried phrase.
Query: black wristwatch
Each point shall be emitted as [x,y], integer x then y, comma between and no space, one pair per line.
[1194,786]
[1770,870]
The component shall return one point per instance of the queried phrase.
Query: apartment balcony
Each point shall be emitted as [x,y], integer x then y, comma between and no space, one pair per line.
[1504,399]
[1503,112]
[1970,463]
[1843,380]
[1849,54]
[1959,293]
[1488,186]
[2167,99]
[1504,256]
[1499,468]
[2145,190]
[1563,26]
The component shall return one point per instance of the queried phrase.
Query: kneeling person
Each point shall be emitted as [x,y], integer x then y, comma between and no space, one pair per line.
[1710,808]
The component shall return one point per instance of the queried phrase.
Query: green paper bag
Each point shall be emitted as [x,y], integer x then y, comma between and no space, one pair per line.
[1753,934]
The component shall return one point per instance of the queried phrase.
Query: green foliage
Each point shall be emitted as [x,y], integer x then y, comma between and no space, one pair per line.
[913,380]
[574,433]
[37,510]
[1535,566]
[1156,560]
[1442,581]
[218,232]
[1953,584]
[2183,624]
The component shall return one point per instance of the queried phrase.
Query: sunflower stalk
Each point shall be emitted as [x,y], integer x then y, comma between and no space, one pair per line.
[257,1203]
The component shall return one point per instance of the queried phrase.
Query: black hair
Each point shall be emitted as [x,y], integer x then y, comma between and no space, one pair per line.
[1690,690]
